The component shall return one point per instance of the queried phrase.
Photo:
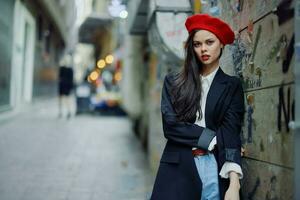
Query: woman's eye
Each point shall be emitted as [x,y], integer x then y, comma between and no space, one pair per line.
[210,42]
[196,44]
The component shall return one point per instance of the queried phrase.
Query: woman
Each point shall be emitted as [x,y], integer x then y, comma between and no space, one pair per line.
[202,112]
[65,86]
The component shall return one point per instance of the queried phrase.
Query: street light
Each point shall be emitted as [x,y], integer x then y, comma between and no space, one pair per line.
[101,64]
[117,9]
[109,59]
[118,76]
[123,14]
[94,75]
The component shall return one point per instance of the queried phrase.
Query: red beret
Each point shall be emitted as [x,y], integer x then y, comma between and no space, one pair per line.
[206,22]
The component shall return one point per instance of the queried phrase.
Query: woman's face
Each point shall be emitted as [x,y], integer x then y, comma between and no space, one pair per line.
[207,47]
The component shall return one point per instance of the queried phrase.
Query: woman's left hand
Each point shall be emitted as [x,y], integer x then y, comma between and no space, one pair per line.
[232,193]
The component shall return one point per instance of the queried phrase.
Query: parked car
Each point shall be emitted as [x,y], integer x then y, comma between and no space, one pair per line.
[107,103]
[83,98]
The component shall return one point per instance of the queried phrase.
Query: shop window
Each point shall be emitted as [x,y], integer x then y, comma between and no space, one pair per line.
[40,27]
[48,34]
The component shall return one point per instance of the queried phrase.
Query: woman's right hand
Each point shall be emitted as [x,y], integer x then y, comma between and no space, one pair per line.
[233,190]
[232,194]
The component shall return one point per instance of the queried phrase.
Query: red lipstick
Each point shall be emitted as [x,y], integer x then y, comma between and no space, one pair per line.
[205,57]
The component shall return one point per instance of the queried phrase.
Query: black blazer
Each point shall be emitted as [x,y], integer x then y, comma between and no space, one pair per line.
[177,177]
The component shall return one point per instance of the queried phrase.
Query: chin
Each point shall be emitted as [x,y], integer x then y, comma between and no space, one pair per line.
[206,62]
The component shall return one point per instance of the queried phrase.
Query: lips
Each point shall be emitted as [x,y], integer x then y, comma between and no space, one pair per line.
[205,57]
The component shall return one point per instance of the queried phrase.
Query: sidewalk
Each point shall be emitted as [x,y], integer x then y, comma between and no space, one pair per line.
[87,157]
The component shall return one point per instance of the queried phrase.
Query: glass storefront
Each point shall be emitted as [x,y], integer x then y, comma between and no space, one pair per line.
[6,27]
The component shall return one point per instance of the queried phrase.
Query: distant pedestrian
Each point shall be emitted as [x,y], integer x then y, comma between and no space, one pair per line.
[65,87]
[202,112]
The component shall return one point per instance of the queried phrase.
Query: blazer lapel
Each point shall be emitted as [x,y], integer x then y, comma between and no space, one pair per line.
[216,90]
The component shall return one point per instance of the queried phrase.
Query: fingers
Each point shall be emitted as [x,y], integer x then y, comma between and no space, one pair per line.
[243,151]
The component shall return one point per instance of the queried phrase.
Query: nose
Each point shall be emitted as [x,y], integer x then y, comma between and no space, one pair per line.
[203,48]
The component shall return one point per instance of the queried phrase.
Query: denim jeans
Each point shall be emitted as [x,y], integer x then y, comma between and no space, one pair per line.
[208,172]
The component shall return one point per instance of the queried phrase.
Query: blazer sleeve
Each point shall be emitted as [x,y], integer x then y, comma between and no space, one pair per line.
[184,133]
[228,133]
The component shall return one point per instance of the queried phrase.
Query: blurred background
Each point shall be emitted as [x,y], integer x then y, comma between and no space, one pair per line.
[80,86]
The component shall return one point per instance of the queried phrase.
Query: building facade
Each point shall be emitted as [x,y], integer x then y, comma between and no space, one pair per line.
[36,34]
[262,56]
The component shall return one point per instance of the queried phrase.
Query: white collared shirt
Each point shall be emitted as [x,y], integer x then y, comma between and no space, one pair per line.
[206,82]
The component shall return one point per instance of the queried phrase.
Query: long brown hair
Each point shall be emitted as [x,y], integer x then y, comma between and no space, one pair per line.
[187,89]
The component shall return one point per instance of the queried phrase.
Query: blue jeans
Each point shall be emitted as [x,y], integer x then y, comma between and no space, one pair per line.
[208,172]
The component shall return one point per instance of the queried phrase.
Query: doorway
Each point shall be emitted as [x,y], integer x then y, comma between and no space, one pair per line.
[23,55]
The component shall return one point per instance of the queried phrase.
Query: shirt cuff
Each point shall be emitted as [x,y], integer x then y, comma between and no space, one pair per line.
[212,144]
[231,166]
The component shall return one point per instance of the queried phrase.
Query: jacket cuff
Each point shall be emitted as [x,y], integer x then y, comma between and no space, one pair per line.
[205,138]
[232,155]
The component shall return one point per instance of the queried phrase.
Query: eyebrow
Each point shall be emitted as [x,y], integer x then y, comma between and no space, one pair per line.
[205,40]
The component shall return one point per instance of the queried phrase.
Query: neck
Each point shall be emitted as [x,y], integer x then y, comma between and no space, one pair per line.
[207,69]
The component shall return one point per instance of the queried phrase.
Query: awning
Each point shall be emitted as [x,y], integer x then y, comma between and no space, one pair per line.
[138,24]
[93,25]
[166,30]
[164,22]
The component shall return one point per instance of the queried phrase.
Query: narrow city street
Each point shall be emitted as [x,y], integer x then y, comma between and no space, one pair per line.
[103,58]
[43,157]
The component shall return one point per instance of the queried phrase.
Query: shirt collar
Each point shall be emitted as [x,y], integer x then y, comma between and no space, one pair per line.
[210,77]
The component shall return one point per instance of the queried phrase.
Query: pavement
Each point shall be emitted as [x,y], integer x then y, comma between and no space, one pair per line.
[43,157]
